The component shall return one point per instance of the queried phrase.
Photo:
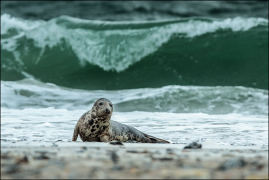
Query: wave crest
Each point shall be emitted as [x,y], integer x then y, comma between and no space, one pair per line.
[109,45]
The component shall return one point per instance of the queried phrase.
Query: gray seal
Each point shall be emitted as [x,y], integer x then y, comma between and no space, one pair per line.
[96,125]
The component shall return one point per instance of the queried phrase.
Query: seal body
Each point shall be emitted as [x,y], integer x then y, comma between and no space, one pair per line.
[95,125]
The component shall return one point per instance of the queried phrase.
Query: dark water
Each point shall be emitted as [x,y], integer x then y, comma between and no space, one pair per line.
[134,10]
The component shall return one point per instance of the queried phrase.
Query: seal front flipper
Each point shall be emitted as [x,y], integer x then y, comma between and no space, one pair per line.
[75,135]
[104,138]
[154,139]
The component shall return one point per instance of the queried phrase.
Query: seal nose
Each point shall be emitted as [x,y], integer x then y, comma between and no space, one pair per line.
[107,110]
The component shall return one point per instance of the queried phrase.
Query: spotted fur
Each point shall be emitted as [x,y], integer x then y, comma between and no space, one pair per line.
[95,125]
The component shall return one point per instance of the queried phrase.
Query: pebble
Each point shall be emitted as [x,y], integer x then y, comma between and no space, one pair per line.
[232,163]
[193,145]
[11,169]
[116,143]
[114,157]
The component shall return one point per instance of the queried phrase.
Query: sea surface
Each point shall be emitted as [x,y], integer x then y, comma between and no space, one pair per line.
[181,79]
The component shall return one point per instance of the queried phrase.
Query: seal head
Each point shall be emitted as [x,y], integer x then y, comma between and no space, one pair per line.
[102,109]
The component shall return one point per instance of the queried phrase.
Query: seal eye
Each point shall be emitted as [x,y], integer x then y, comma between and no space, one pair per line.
[110,105]
[100,103]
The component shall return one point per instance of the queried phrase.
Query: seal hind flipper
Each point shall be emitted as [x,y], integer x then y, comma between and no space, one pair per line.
[124,132]
[154,139]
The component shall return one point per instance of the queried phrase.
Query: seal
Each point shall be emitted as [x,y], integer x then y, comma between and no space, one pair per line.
[96,125]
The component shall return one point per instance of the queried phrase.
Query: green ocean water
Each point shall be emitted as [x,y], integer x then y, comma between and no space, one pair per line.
[93,55]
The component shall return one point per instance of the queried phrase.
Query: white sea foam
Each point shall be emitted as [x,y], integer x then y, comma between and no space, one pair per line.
[8,22]
[46,112]
[49,124]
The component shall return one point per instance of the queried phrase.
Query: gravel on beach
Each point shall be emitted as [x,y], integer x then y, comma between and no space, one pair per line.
[130,160]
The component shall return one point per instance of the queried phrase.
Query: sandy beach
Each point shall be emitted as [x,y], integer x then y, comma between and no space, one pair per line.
[130,160]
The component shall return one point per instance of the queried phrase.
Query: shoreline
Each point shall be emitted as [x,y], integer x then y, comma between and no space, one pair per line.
[131,160]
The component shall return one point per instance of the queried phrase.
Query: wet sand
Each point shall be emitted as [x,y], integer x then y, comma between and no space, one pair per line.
[130,160]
